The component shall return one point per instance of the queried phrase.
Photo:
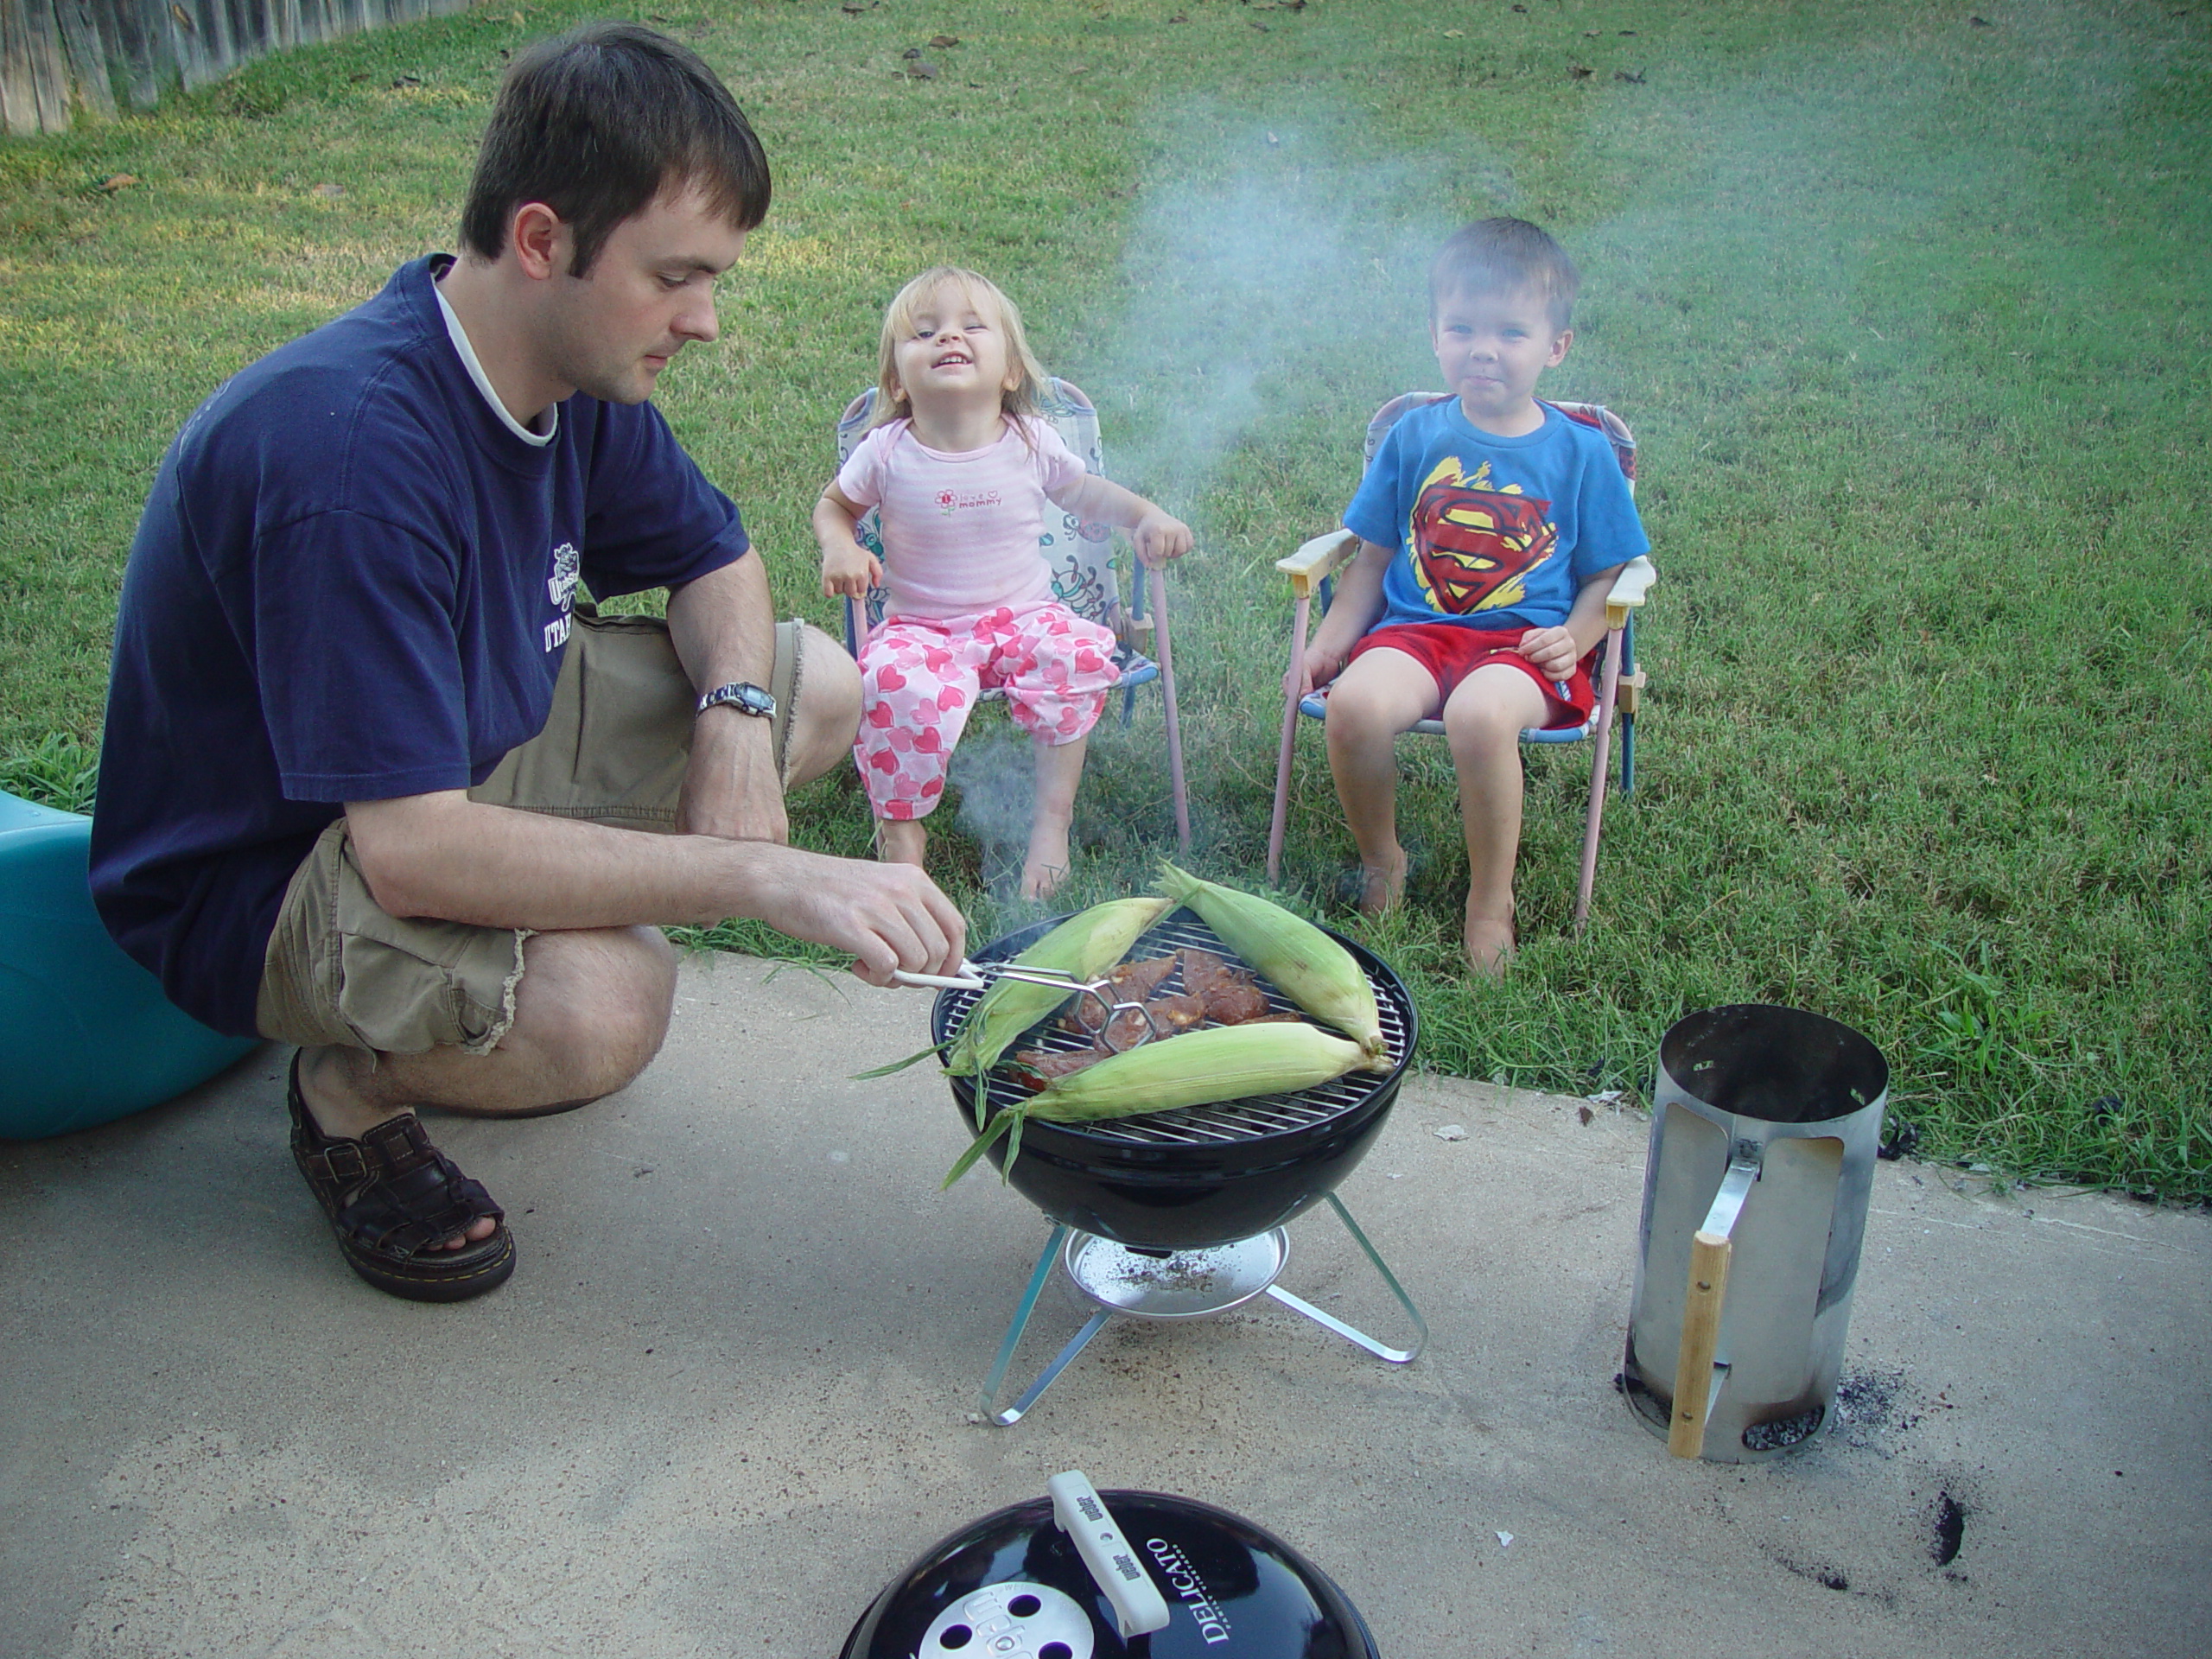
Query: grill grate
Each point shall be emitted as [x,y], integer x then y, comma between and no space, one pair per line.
[1235,1120]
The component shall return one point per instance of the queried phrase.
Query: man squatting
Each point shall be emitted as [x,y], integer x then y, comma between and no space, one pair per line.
[373,777]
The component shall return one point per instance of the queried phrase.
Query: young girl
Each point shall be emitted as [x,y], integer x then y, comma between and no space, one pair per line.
[959,467]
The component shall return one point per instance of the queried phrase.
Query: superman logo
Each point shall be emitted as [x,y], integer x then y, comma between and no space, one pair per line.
[1472,543]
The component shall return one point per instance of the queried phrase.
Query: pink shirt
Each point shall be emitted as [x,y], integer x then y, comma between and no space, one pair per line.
[960,532]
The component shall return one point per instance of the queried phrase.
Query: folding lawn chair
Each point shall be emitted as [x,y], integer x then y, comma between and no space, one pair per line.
[1312,570]
[1085,576]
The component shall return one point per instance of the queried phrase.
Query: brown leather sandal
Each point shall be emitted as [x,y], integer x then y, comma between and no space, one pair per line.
[391,1197]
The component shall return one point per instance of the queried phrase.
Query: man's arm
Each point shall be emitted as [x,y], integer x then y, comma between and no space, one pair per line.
[723,625]
[444,856]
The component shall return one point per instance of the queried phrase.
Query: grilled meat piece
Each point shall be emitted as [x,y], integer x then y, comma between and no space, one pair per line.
[1230,995]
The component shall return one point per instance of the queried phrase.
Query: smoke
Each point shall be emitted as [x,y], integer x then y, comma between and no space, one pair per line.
[1263,268]
[993,769]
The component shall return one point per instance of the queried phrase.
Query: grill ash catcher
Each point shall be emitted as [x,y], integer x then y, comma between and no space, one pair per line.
[1182,1215]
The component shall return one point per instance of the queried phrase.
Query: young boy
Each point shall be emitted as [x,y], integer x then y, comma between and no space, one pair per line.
[1490,528]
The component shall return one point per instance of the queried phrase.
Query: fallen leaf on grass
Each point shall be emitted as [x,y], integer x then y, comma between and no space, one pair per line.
[406,81]
[1455,33]
[941,41]
[1635,79]
[1257,24]
[1579,72]
[1981,23]
[328,191]
[1179,18]
[922,69]
[1078,69]
[116,182]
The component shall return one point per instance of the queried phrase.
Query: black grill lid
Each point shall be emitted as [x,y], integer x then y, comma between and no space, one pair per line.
[1014,1585]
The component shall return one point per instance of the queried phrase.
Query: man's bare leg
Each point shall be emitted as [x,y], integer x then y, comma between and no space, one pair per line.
[591,1011]
[1482,721]
[1059,769]
[1382,694]
[828,711]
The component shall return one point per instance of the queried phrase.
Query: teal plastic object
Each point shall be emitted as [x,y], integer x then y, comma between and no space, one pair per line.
[85,1034]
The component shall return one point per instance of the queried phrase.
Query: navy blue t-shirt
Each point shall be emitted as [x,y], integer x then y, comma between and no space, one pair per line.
[353,582]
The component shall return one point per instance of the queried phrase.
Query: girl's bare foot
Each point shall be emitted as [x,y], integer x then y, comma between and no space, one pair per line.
[1047,866]
[1382,886]
[1489,944]
[900,840]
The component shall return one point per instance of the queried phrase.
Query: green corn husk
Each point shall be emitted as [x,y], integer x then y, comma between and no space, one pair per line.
[1310,967]
[1086,945]
[1196,1069]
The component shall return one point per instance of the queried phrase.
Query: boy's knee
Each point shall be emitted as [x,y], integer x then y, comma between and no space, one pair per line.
[1355,711]
[1484,725]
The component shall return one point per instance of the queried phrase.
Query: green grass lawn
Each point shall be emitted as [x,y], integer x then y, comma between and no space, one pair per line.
[1908,305]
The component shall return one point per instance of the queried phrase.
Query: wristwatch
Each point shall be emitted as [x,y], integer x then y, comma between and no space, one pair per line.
[742,696]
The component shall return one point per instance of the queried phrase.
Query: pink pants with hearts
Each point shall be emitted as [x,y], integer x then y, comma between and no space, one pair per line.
[921,676]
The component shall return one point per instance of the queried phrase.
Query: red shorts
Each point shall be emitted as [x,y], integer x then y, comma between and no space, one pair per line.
[1451,651]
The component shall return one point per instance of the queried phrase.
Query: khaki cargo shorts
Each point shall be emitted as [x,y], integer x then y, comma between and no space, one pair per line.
[339,969]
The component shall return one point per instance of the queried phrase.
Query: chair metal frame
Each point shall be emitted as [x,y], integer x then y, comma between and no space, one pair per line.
[1086,575]
[1311,572]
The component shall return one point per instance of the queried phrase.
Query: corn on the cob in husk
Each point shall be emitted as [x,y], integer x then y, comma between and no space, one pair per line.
[1306,965]
[1196,1069]
[1086,945]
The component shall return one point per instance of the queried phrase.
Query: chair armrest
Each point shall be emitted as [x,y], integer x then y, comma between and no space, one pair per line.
[1317,560]
[1630,587]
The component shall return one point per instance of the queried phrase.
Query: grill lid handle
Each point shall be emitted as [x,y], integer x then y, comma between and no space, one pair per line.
[1081,1513]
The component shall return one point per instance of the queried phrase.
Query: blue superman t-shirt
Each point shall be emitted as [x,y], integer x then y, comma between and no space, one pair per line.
[1492,532]
[353,580]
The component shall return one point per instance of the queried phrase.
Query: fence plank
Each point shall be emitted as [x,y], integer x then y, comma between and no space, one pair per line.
[88,56]
[58,54]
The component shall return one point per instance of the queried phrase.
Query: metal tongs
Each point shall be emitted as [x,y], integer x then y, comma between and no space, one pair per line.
[1095,1011]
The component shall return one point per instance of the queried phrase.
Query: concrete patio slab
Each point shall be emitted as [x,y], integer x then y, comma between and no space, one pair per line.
[727,1394]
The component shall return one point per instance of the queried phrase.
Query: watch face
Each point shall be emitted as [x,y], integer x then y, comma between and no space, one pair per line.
[747,698]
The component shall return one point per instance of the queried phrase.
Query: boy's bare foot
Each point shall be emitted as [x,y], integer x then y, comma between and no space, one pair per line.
[1047,866]
[1489,944]
[1382,886]
[900,840]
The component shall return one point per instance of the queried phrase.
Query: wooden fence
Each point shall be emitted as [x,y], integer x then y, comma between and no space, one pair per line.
[62,58]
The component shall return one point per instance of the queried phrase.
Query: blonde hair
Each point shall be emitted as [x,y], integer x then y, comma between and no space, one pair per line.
[1019,400]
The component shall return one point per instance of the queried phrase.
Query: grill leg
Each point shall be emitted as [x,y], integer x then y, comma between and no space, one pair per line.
[1330,1322]
[1091,1327]
[997,1380]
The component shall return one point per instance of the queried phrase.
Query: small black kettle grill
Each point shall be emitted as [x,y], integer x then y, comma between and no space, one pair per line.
[1180,1215]
[1083,1574]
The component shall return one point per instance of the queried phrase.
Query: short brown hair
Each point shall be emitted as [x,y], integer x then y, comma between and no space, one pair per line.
[1492,255]
[600,122]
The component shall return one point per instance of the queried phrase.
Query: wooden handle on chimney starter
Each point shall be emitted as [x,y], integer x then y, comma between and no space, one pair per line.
[1708,1286]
